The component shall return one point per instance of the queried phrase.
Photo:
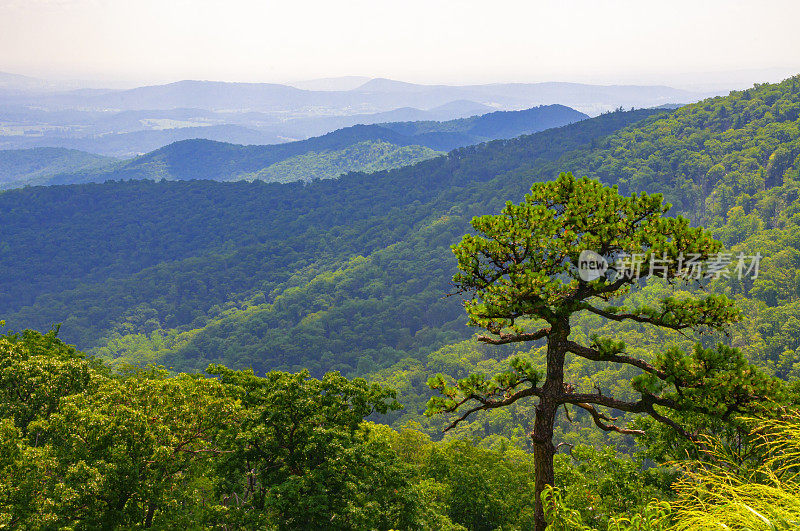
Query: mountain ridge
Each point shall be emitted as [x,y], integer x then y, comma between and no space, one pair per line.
[204,159]
[376,94]
[350,274]
[277,234]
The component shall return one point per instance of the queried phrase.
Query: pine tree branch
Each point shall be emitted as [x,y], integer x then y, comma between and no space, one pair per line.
[645,405]
[486,403]
[600,417]
[619,317]
[595,355]
[514,338]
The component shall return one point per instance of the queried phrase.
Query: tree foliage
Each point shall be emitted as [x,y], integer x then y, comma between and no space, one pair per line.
[521,269]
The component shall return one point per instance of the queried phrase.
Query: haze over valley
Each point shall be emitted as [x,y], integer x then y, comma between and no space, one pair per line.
[123,123]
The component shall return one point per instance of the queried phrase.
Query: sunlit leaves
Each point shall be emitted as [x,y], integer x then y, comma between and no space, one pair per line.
[523,261]
[522,374]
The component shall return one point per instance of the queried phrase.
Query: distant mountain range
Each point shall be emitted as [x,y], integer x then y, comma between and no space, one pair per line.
[355,148]
[129,133]
[331,83]
[376,95]
[124,123]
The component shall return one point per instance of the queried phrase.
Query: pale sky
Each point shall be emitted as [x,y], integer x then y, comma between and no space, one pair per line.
[428,41]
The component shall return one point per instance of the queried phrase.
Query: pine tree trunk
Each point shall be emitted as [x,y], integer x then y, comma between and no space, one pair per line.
[543,453]
[543,448]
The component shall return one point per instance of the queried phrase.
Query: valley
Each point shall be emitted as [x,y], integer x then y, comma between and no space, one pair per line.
[328,262]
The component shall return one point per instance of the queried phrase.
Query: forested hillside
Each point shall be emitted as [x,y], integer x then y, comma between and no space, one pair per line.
[352,274]
[19,167]
[362,156]
[490,126]
[220,161]
[722,161]
[356,148]
[242,245]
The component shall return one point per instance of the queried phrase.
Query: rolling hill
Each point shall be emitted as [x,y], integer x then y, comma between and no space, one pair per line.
[26,166]
[125,123]
[172,255]
[350,274]
[356,148]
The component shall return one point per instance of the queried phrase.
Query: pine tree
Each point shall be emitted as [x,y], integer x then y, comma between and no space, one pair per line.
[521,267]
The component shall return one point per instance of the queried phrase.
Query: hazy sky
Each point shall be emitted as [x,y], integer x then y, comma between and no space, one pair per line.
[149,41]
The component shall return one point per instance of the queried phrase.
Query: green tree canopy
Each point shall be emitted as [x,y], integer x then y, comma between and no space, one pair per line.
[302,459]
[521,271]
[84,448]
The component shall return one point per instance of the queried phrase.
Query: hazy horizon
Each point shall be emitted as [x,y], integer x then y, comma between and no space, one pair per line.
[691,81]
[114,44]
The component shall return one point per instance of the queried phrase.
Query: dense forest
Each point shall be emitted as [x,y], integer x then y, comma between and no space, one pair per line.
[362,156]
[354,275]
[235,231]
[19,167]
[84,446]
[357,148]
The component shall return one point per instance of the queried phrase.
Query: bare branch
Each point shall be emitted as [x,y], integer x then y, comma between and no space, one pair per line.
[671,423]
[645,405]
[566,414]
[636,317]
[639,406]
[596,355]
[600,417]
[490,404]
[514,338]
[568,445]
